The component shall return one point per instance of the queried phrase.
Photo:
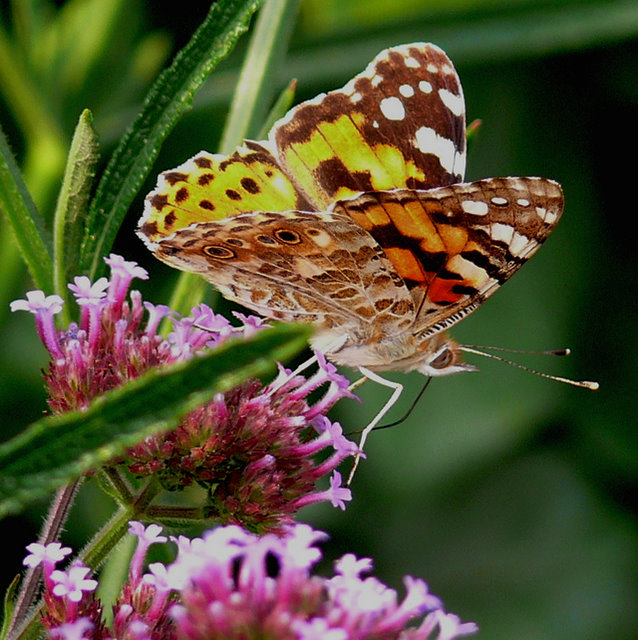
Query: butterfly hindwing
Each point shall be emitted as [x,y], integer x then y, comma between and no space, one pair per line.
[300,267]
[398,124]
[453,246]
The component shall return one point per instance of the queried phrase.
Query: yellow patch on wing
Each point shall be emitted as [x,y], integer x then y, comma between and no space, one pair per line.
[214,187]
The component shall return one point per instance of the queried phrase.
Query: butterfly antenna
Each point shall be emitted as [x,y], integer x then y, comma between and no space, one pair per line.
[409,411]
[547,352]
[583,384]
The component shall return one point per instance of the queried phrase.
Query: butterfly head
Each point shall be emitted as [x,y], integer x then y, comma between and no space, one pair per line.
[441,356]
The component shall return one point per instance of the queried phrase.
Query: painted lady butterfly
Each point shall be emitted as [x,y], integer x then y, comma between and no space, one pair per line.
[353,216]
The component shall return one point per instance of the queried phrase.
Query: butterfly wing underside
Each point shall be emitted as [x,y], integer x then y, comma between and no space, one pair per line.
[454,246]
[214,187]
[321,268]
[353,215]
[398,124]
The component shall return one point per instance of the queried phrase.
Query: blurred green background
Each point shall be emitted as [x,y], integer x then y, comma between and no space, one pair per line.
[513,496]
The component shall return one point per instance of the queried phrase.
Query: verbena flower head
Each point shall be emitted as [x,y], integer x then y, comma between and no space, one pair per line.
[231,584]
[254,448]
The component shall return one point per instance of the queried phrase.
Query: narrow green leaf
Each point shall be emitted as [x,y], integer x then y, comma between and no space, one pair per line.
[56,449]
[279,109]
[70,212]
[254,89]
[9,605]
[167,100]
[83,30]
[24,218]
[24,97]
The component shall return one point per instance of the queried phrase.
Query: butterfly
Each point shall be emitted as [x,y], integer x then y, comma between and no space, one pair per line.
[354,216]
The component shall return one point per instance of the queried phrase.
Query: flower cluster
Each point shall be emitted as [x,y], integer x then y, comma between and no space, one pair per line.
[233,584]
[254,448]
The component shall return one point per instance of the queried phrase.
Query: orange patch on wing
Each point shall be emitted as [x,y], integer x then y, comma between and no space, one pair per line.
[410,221]
[440,291]
[455,238]
[406,264]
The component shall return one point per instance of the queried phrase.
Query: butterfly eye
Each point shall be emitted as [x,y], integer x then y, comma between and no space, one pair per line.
[288,237]
[216,251]
[443,359]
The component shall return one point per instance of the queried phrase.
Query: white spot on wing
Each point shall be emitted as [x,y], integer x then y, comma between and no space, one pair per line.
[550,217]
[453,102]
[411,62]
[502,232]
[523,202]
[475,207]
[425,86]
[519,244]
[427,140]
[470,271]
[497,200]
[406,90]
[392,108]
[321,239]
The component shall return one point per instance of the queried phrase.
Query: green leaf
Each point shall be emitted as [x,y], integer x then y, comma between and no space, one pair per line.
[279,109]
[167,100]
[24,218]
[73,200]
[254,88]
[9,605]
[56,449]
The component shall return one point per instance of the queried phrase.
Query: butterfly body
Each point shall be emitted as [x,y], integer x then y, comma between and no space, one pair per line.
[353,216]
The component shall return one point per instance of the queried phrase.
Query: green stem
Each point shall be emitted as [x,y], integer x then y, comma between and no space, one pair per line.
[58,512]
[116,528]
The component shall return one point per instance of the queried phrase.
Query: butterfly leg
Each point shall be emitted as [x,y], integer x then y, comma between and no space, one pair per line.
[302,367]
[330,346]
[397,390]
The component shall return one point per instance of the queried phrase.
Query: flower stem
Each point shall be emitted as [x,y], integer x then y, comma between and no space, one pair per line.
[95,552]
[58,512]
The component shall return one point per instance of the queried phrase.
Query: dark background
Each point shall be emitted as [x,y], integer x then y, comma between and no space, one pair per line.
[513,496]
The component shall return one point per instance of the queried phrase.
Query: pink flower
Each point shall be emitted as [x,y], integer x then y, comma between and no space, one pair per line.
[254,448]
[47,555]
[231,584]
[72,583]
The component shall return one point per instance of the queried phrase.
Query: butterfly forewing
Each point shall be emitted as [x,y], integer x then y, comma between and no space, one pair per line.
[399,124]
[452,246]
